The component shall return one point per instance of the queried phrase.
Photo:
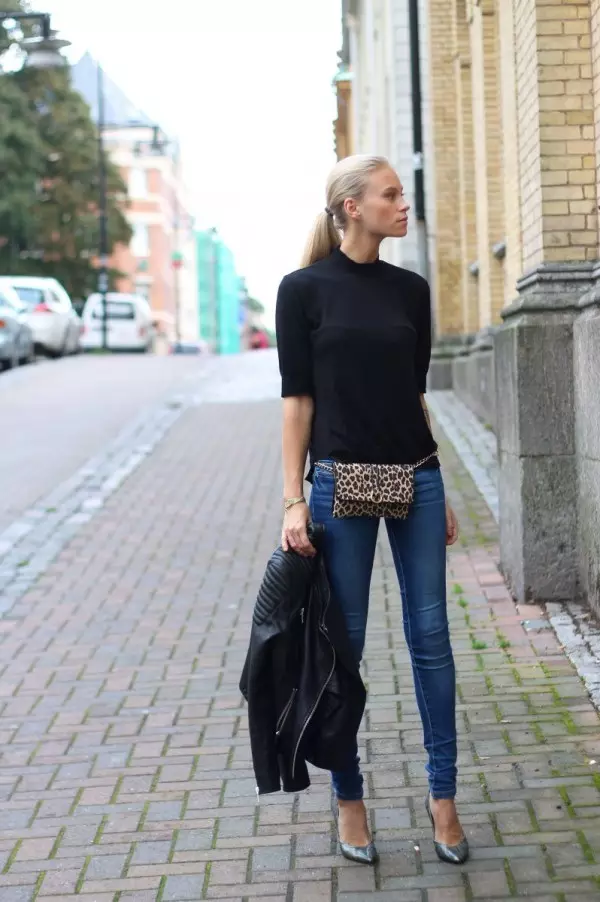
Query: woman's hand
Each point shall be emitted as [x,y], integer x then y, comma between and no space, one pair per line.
[452,531]
[294,535]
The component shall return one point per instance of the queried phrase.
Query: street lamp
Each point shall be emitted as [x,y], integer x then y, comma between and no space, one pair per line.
[102,210]
[43,51]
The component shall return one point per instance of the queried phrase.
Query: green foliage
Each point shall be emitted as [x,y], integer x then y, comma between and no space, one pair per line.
[22,157]
[255,306]
[49,176]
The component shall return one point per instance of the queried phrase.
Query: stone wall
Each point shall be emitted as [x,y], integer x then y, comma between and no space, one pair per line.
[473,378]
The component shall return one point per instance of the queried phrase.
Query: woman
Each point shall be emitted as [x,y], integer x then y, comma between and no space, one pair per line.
[354,339]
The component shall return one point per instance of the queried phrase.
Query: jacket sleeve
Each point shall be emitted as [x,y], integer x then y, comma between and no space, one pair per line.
[262,717]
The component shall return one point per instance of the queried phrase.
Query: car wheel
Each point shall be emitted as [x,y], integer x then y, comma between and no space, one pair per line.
[12,362]
[63,350]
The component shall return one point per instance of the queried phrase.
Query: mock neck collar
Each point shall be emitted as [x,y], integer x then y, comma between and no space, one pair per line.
[343,260]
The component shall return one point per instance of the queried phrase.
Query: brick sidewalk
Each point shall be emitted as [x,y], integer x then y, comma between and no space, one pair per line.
[125,770]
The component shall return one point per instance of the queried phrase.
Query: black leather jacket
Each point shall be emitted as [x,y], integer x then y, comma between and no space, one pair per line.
[303,687]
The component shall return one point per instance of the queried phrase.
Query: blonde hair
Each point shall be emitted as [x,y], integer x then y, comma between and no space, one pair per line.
[348,178]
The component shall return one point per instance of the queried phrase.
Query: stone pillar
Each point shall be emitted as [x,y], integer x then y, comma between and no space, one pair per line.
[535,410]
[535,392]
[485,45]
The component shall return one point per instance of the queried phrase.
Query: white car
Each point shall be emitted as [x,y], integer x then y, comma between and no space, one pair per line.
[16,338]
[129,324]
[55,325]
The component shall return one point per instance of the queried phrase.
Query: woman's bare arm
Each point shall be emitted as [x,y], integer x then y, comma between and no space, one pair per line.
[297,425]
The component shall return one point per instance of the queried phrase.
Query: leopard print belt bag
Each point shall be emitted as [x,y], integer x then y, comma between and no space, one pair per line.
[373,490]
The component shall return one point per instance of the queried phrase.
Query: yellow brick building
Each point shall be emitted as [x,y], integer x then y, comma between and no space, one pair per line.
[514,117]
[343,126]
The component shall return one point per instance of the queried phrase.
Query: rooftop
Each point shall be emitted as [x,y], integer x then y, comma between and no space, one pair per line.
[119,111]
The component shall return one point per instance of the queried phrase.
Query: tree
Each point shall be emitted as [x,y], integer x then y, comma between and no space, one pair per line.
[49,177]
[255,306]
[22,163]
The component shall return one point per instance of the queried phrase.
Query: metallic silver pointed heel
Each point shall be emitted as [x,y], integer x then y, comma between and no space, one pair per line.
[360,854]
[452,854]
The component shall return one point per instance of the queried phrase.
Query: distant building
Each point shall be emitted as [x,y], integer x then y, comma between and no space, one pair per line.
[160,262]
[376,100]
[343,127]
[220,294]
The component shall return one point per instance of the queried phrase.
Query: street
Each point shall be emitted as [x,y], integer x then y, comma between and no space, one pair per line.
[56,414]
[125,771]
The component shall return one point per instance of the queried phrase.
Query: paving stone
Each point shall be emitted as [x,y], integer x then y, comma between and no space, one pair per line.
[228,872]
[180,889]
[273,858]
[17,893]
[104,866]
[151,852]
[392,818]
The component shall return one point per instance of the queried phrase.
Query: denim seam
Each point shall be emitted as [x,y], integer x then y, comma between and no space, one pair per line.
[410,648]
[357,795]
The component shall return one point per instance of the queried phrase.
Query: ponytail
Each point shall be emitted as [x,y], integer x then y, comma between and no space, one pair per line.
[349,178]
[323,239]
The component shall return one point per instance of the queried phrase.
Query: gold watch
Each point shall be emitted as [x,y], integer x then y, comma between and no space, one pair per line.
[291,502]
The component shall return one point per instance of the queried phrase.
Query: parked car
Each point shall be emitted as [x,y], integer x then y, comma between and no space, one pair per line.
[55,325]
[16,337]
[128,322]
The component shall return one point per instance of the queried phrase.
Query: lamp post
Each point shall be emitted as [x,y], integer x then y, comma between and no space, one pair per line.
[102,211]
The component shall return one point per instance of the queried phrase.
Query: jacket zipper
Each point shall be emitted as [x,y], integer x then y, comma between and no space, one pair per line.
[285,712]
[311,713]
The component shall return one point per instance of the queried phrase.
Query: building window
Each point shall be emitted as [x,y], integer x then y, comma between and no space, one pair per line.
[138,182]
[140,242]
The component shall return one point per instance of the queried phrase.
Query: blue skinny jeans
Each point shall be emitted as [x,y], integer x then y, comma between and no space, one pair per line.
[419,551]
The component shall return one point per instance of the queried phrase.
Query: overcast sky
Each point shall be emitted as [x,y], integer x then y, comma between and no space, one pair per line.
[246,86]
